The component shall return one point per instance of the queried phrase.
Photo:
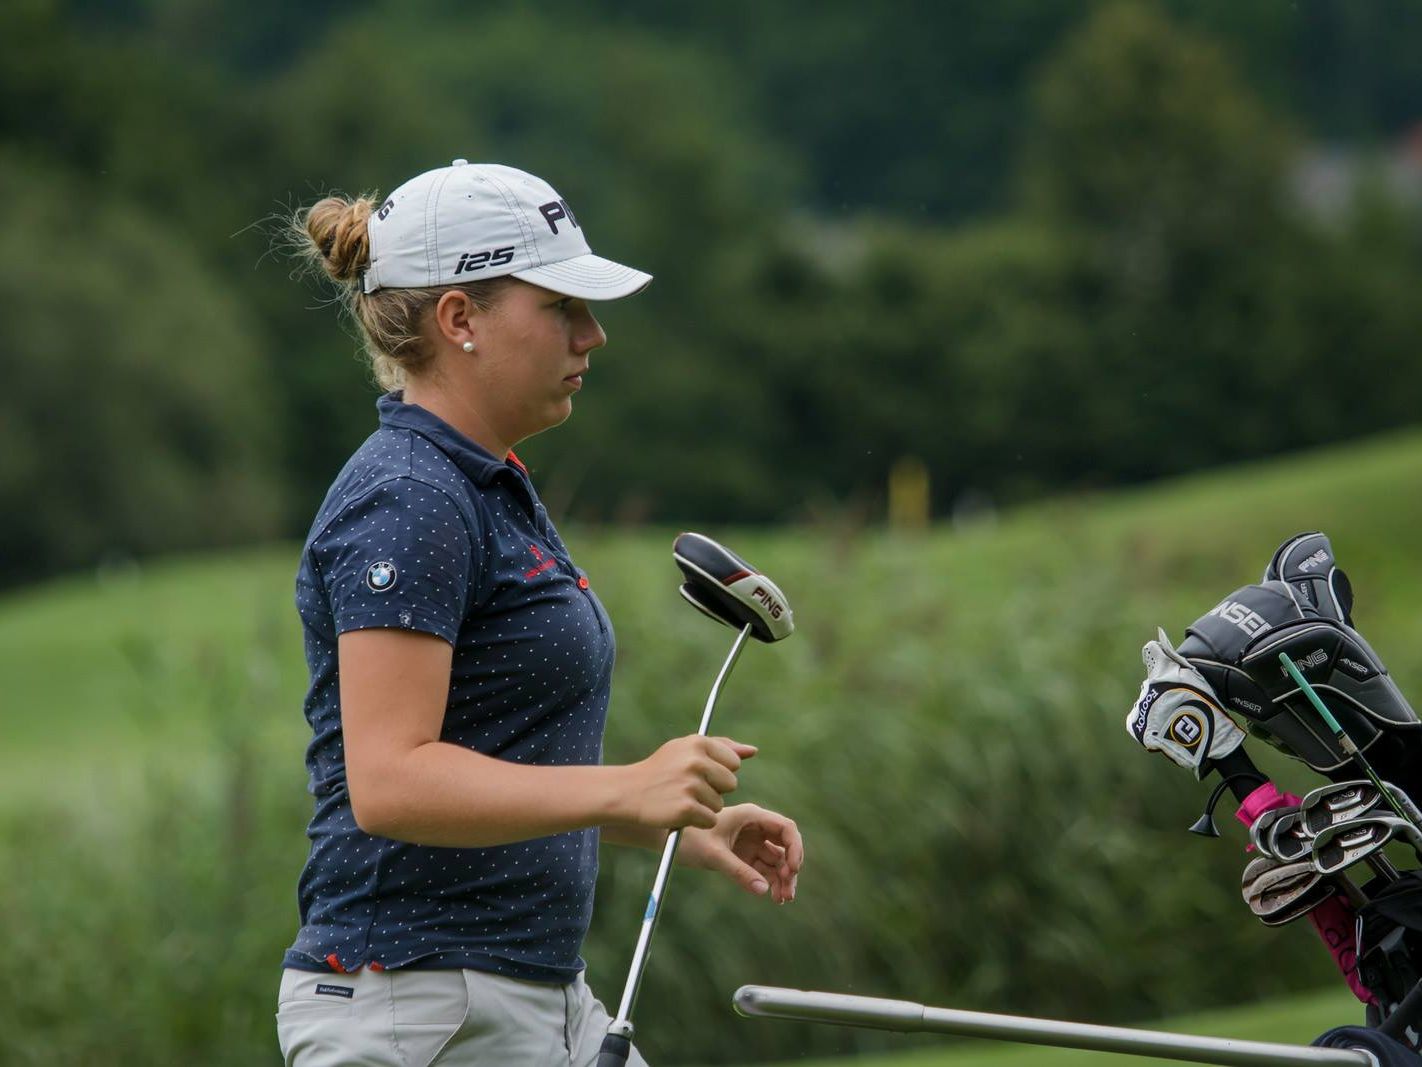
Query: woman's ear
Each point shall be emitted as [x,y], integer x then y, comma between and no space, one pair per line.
[455,320]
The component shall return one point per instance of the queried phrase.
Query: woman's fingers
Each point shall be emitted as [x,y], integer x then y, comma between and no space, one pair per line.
[719,777]
[770,852]
[734,751]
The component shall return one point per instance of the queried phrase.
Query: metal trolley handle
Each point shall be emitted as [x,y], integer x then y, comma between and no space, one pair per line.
[775,1003]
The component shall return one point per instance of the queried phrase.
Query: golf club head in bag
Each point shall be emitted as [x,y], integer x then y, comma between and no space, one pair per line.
[1338,847]
[1214,644]
[1286,839]
[1278,893]
[1232,645]
[721,584]
[1350,679]
[1260,828]
[1339,802]
[1287,833]
[1306,565]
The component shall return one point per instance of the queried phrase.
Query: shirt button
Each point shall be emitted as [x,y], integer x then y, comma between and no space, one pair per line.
[582,583]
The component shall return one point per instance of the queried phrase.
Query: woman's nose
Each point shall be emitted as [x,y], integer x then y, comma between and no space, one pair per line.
[589,333]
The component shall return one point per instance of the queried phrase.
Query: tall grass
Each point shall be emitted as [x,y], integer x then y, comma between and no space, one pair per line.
[946,726]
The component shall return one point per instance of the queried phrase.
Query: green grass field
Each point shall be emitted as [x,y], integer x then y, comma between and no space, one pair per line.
[943,691]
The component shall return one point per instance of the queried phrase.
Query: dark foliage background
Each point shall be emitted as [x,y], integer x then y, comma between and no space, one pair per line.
[1036,245]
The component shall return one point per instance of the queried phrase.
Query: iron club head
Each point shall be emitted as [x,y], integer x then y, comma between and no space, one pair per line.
[1279,893]
[1259,830]
[1341,802]
[1340,846]
[1286,839]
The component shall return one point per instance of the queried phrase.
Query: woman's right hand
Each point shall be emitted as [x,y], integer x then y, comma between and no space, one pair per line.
[681,784]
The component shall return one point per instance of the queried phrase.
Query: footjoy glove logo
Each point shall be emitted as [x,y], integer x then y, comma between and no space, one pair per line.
[1187,729]
[1138,721]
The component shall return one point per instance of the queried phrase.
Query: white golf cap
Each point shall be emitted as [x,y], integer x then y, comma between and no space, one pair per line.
[470,221]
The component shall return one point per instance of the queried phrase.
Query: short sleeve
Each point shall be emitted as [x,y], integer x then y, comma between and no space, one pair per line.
[396,556]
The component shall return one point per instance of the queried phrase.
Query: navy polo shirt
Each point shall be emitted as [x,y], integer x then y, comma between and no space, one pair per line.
[425,530]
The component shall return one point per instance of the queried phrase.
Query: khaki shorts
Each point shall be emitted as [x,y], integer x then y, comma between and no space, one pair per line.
[419,1018]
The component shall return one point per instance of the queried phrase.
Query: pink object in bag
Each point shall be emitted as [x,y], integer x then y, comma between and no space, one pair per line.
[1266,798]
[1337,928]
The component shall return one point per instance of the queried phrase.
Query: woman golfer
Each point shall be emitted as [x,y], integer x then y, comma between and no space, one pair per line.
[461,662]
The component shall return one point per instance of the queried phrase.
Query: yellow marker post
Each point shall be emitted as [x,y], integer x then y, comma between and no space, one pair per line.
[908,494]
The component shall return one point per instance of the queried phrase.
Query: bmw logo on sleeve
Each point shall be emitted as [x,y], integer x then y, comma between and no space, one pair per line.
[381,577]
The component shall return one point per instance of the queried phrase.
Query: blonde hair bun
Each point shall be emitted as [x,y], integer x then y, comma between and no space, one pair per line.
[339,236]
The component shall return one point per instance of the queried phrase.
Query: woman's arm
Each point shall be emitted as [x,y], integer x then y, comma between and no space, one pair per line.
[407,784]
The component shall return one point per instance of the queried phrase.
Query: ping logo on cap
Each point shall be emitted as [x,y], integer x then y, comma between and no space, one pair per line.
[555,210]
[380,577]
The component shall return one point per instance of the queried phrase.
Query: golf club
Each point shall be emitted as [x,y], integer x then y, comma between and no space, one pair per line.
[1341,736]
[1339,802]
[1286,834]
[1278,893]
[728,589]
[1261,827]
[1339,847]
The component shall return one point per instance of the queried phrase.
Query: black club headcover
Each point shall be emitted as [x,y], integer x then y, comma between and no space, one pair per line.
[1305,563]
[1215,643]
[1349,678]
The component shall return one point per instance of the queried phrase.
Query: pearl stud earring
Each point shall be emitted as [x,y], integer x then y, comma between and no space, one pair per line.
[468,346]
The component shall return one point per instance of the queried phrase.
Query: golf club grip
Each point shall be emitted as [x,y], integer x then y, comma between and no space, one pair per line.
[1238,770]
[614,1052]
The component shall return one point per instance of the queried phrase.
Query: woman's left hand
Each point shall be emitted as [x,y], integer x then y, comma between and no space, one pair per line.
[760,850]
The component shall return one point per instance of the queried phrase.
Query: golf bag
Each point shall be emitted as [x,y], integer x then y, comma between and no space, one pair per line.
[1236,647]
[1302,609]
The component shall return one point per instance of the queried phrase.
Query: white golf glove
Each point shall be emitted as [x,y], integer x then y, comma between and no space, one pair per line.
[1177,712]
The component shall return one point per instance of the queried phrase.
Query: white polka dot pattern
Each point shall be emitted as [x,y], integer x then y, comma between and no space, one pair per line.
[474,560]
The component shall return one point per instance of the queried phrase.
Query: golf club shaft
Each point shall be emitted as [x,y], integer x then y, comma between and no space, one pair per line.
[1404,1015]
[906,1017]
[623,1023]
[1383,868]
[1341,735]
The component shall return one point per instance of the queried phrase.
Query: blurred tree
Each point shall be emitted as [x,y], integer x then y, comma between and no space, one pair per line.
[687,189]
[141,424]
[1145,270]
[1153,157]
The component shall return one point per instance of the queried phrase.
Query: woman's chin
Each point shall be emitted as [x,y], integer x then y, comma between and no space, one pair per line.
[555,414]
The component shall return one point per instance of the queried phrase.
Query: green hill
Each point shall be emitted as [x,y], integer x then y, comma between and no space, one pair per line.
[946,726]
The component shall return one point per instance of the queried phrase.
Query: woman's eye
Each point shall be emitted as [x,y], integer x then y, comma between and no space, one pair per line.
[562,305]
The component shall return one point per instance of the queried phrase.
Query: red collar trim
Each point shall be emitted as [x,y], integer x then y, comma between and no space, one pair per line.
[517,462]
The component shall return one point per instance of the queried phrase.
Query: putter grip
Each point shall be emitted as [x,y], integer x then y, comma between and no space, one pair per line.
[614,1052]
